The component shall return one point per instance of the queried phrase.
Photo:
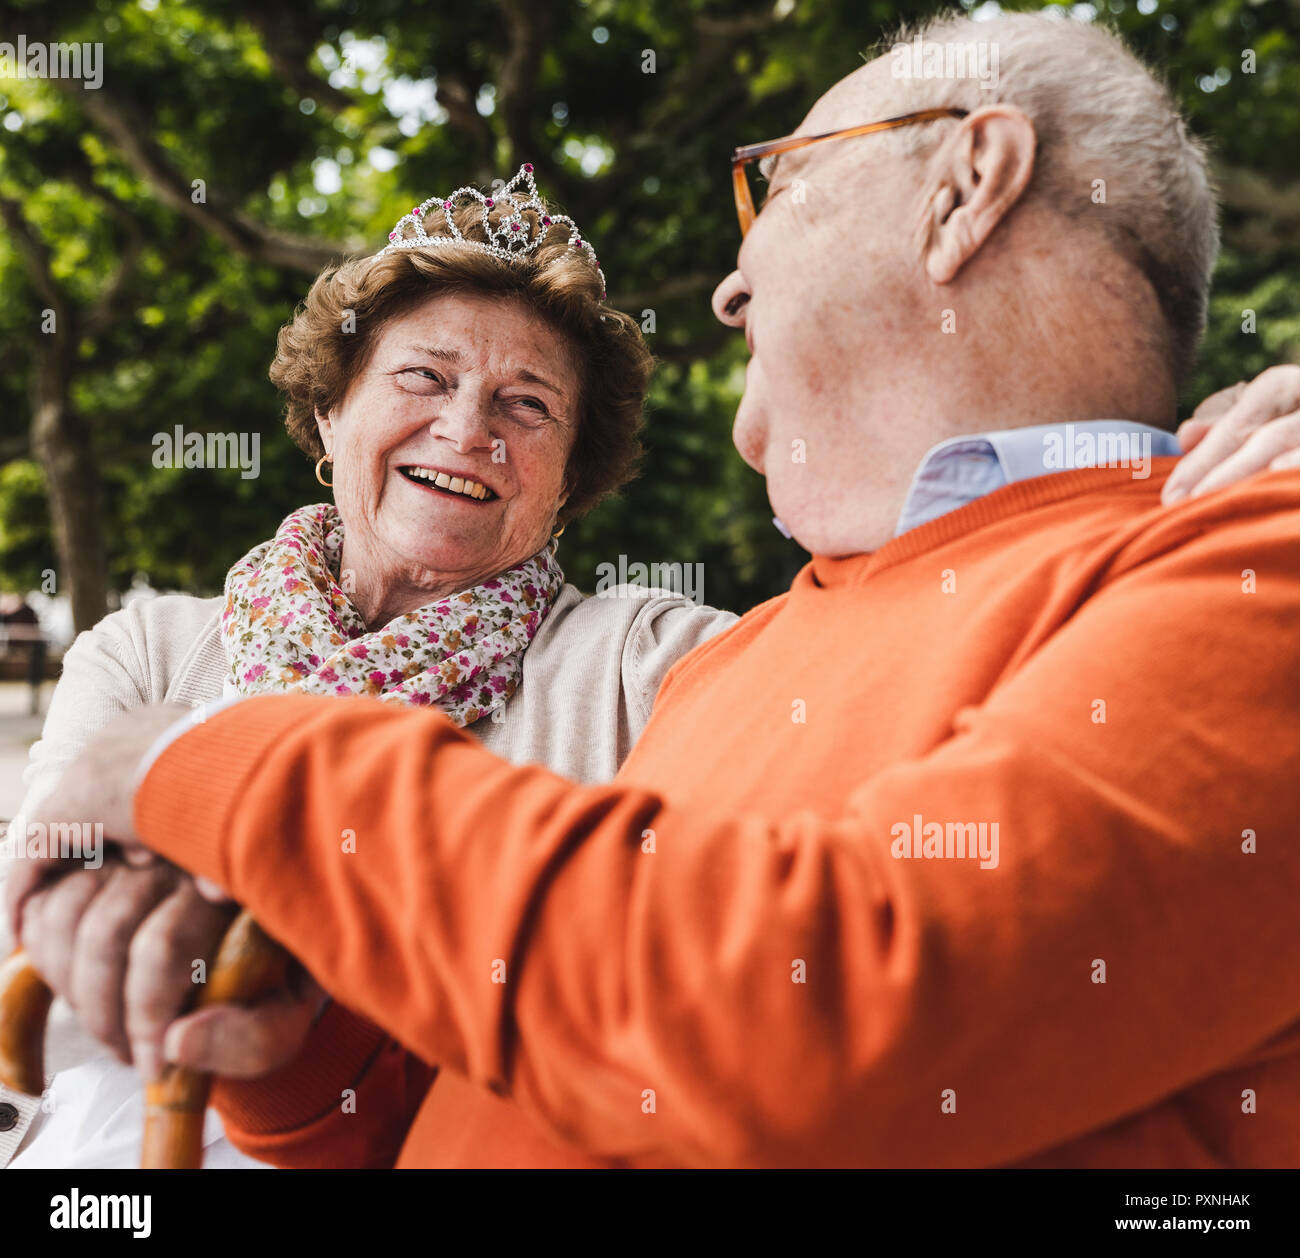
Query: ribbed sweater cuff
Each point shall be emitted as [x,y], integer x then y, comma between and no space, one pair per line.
[181,807]
[334,1056]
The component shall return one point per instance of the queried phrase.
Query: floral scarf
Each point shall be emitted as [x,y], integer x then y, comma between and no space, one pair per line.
[289,625]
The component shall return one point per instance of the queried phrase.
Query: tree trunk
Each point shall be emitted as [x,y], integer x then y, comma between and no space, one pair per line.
[61,443]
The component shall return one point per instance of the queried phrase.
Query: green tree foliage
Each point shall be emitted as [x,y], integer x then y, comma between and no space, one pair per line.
[313,125]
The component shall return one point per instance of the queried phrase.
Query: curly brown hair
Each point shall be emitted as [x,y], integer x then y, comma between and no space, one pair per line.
[322,350]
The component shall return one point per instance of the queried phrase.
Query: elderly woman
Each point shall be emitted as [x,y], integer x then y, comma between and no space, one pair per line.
[470,393]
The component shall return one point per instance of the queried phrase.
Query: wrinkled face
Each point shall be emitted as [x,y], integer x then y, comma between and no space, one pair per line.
[449,450]
[832,298]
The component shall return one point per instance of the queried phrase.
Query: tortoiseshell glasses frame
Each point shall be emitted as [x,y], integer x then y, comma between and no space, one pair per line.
[742,157]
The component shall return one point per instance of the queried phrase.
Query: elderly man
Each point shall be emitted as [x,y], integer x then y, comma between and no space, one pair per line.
[975,848]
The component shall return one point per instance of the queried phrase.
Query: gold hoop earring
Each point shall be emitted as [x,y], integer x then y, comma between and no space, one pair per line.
[324,458]
[555,537]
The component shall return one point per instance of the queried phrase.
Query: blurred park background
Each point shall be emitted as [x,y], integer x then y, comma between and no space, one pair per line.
[314,124]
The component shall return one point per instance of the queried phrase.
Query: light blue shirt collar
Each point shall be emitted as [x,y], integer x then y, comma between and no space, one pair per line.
[960,470]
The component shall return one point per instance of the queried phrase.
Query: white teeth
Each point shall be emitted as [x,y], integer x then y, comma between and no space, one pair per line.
[455,484]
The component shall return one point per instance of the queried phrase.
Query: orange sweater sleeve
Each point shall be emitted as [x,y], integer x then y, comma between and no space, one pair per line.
[782,990]
[346,1101]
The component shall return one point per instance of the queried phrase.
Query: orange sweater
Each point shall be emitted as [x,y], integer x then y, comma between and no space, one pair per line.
[751,949]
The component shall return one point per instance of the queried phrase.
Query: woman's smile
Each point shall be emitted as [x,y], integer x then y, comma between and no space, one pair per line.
[447,484]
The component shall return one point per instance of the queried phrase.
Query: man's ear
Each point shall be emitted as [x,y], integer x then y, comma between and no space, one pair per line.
[984,170]
[325,426]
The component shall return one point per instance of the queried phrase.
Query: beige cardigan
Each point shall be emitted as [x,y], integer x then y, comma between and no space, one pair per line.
[588,684]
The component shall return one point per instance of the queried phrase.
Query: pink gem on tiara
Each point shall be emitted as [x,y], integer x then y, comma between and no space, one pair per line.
[510,238]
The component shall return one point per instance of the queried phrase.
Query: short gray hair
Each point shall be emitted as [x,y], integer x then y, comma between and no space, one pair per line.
[1099,113]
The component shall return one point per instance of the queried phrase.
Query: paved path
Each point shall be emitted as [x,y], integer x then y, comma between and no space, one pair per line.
[18,731]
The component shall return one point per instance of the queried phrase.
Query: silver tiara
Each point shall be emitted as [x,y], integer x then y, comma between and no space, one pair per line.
[509,239]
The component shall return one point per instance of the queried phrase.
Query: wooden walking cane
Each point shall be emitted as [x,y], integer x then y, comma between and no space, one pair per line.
[248,966]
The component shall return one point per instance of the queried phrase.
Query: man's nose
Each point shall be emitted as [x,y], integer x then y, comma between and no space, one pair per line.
[729,300]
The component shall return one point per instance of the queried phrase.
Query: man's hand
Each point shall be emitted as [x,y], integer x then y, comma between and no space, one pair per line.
[119,942]
[246,1043]
[120,945]
[1237,432]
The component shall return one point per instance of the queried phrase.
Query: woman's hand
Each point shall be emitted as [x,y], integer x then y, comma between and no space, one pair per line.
[1237,432]
[93,799]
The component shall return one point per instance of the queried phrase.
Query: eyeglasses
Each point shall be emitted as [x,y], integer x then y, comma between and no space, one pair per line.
[742,157]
